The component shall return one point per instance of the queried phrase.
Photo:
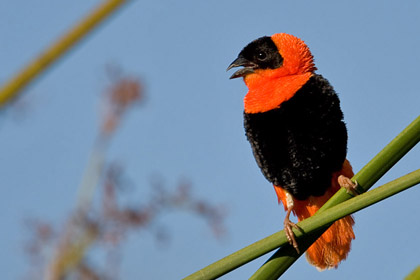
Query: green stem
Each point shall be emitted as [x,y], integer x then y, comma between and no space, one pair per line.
[366,177]
[282,261]
[308,226]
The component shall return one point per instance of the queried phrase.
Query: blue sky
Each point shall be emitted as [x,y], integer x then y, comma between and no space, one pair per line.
[191,123]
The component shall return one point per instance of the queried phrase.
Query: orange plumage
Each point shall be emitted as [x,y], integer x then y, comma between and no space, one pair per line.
[335,243]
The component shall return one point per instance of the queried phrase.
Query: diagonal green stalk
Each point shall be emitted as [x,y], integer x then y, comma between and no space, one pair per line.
[366,177]
[308,226]
[41,63]
[281,257]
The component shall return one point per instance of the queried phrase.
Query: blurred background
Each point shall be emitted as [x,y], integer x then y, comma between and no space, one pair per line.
[144,108]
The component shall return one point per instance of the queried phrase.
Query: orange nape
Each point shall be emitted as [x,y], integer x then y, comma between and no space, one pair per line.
[335,243]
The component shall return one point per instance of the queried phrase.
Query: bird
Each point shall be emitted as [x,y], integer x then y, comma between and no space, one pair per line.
[295,125]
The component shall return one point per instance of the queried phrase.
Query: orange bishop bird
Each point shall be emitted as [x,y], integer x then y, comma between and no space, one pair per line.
[295,126]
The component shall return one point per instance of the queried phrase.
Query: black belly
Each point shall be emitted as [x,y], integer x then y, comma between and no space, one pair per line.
[299,145]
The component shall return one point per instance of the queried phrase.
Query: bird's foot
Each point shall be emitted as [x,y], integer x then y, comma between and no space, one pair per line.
[349,185]
[288,229]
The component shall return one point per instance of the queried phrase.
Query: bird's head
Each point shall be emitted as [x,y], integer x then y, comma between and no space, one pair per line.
[274,69]
[276,56]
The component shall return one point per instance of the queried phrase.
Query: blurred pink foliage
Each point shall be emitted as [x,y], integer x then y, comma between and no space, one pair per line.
[62,253]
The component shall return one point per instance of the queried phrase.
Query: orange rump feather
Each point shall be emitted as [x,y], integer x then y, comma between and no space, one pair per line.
[335,243]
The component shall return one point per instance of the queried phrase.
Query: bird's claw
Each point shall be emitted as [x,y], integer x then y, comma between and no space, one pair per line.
[349,185]
[288,225]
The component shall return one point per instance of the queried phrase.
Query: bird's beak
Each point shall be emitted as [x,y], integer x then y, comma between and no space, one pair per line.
[249,67]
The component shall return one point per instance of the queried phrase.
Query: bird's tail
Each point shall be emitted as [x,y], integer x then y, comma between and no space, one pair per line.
[334,244]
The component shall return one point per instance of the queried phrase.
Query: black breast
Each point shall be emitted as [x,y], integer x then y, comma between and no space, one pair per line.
[299,145]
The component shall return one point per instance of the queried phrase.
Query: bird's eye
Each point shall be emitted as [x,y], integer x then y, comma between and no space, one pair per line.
[261,55]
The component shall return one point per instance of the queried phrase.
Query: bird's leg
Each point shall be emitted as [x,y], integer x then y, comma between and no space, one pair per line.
[288,225]
[349,185]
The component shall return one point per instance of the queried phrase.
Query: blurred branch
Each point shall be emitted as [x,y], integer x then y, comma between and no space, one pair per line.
[78,236]
[118,220]
[11,89]
[80,230]
[108,225]
[414,275]
[118,99]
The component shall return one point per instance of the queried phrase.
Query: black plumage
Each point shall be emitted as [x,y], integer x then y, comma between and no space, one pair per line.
[300,144]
